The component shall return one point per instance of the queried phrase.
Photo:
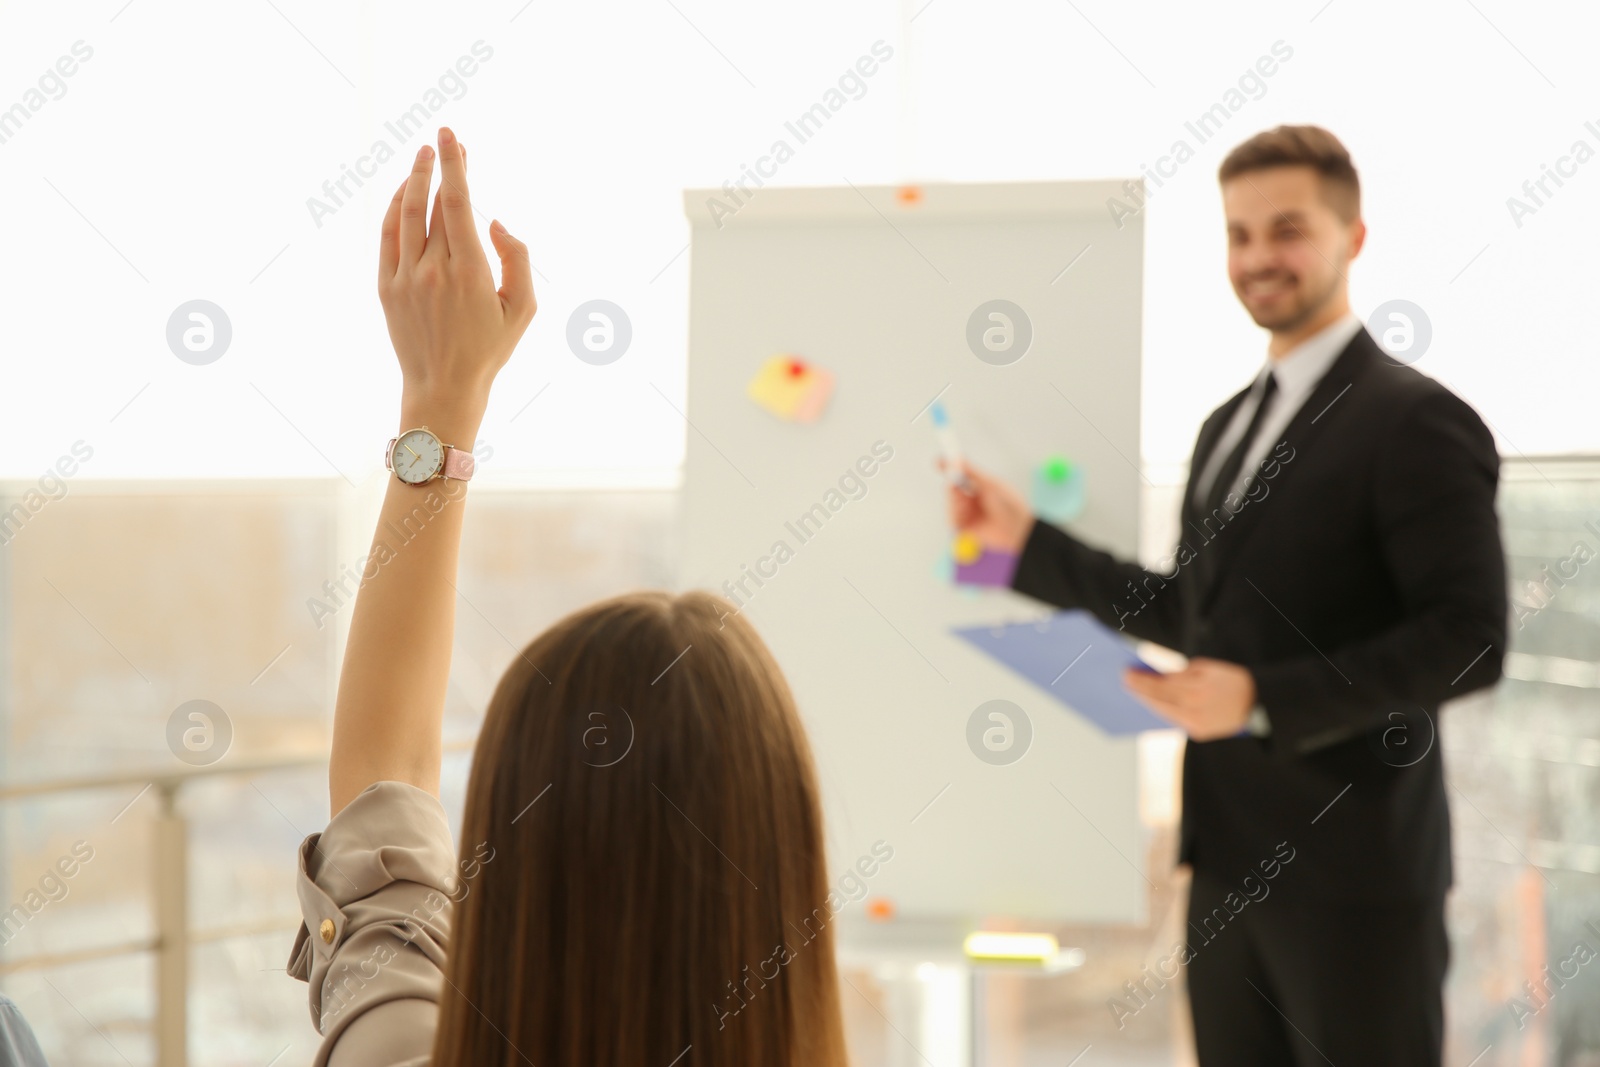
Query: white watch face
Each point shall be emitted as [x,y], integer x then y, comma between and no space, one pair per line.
[417,457]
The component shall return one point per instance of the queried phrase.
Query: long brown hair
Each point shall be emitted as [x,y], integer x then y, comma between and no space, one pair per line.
[643,794]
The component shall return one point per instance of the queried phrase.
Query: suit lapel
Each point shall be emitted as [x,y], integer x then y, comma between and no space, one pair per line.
[1301,432]
[1191,578]
[1203,447]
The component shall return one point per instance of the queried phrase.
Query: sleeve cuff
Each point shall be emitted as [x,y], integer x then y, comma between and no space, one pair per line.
[376,890]
[1041,543]
[1258,725]
[391,832]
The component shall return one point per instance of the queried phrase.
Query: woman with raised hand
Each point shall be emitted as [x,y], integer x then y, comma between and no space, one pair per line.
[641,872]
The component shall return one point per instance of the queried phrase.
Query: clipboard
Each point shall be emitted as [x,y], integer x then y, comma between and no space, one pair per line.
[1077,659]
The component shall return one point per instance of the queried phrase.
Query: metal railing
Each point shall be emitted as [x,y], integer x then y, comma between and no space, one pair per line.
[173,936]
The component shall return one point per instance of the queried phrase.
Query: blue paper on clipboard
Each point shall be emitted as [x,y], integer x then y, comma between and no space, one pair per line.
[1077,659]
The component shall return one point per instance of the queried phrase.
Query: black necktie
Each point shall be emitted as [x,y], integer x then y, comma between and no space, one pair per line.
[1228,473]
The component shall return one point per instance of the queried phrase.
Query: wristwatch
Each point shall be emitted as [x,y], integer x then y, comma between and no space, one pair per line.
[418,457]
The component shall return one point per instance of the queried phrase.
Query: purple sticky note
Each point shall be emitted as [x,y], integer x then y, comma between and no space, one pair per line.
[991,568]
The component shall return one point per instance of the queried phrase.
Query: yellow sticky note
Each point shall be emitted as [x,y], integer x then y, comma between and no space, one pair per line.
[791,388]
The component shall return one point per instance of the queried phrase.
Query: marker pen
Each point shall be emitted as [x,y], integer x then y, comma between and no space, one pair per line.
[951,449]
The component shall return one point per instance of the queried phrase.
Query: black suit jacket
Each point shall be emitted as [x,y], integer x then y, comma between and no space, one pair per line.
[1362,582]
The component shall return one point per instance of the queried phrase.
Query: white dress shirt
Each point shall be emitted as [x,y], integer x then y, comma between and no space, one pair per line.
[1297,372]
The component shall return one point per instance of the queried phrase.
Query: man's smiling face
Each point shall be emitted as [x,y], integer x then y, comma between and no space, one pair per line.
[1288,250]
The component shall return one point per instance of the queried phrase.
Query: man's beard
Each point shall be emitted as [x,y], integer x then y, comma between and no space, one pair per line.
[1291,318]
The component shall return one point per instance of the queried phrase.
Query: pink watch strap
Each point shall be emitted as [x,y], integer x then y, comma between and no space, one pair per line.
[458,463]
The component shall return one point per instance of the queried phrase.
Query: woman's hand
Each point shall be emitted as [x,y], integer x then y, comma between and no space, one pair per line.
[994,513]
[450,327]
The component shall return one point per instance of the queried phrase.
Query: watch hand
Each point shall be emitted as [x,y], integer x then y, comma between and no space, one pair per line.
[412,451]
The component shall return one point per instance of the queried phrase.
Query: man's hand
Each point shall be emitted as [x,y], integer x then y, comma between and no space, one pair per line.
[450,327]
[995,513]
[1209,699]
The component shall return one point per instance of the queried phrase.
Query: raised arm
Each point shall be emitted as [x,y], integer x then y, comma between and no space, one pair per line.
[452,332]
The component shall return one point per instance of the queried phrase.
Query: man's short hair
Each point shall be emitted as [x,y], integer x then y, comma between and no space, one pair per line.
[1301,146]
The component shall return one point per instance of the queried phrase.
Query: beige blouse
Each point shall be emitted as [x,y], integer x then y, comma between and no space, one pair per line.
[375,891]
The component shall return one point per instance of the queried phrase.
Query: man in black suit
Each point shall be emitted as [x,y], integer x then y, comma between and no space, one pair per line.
[1340,575]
